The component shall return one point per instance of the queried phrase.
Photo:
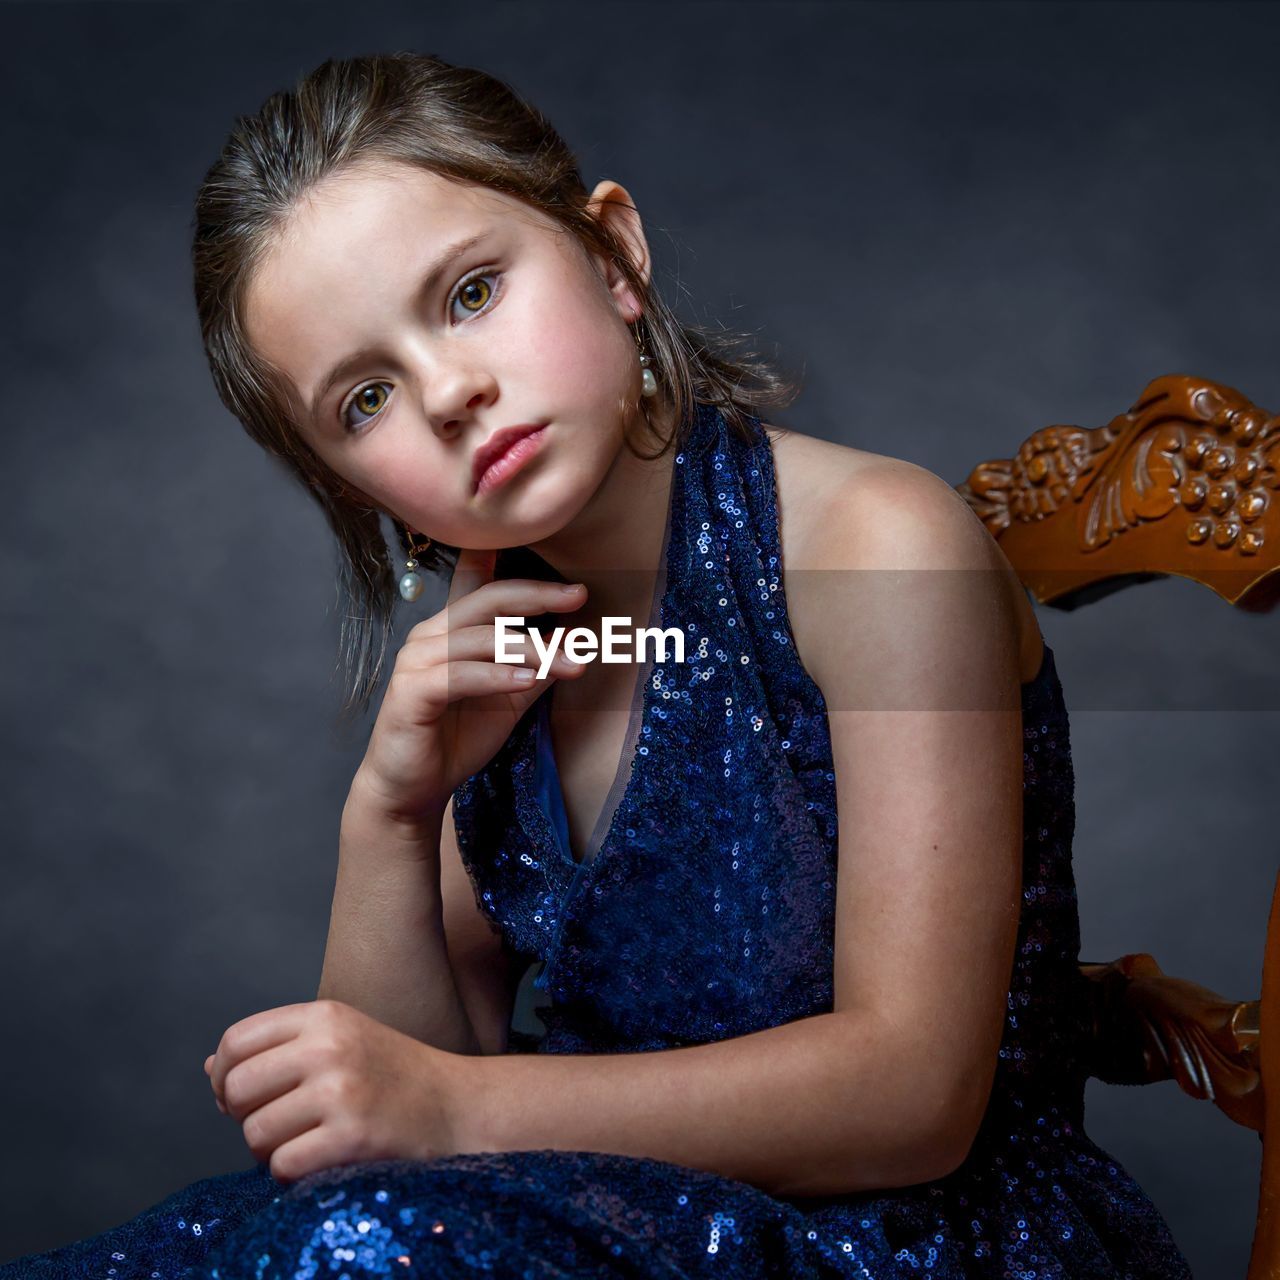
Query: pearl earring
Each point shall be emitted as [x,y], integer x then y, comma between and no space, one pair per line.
[411,583]
[648,381]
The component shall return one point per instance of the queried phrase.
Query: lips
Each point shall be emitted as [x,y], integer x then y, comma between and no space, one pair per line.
[496,445]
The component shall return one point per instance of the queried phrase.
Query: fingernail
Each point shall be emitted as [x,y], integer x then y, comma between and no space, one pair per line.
[523,675]
[571,588]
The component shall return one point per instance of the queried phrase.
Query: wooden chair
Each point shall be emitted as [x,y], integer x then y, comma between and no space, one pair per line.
[1187,483]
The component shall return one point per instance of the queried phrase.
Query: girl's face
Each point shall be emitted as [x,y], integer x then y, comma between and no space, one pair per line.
[406,353]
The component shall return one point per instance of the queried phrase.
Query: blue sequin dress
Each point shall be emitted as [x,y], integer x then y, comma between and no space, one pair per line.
[705,912]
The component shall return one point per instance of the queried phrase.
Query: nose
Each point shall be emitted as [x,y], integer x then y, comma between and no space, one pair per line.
[451,398]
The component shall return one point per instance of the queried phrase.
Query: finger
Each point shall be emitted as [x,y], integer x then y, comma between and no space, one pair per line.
[477,644]
[280,1121]
[263,1078]
[319,1148]
[208,1070]
[431,690]
[252,1035]
[510,597]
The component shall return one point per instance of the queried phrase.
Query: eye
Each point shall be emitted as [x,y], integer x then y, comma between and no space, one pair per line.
[370,399]
[475,293]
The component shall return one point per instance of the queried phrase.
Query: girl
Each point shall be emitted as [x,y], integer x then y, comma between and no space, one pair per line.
[781,1035]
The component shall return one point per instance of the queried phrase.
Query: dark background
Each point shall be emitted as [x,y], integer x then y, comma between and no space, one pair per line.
[959,222]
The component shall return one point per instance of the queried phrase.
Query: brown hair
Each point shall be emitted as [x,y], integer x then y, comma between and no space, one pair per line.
[464,125]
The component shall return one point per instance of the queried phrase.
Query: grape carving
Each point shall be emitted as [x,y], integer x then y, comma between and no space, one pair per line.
[1191,451]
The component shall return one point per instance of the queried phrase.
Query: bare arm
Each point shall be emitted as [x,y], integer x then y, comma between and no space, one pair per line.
[917,659]
[827,1105]
[387,952]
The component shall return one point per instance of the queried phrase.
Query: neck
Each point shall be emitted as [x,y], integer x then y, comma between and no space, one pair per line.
[614,545]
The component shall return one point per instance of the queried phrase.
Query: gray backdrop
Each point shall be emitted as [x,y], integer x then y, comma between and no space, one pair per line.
[959,221]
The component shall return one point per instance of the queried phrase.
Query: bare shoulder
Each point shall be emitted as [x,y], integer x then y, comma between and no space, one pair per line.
[814,476]
[836,502]
[873,500]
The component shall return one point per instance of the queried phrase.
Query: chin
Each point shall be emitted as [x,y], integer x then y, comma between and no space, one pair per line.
[553,505]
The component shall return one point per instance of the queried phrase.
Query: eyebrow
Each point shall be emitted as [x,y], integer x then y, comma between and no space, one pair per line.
[349,363]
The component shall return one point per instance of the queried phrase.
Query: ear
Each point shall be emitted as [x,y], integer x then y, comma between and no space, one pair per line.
[611,204]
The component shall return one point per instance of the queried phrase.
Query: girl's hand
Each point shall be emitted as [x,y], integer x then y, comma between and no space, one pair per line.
[449,706]
[320,1084]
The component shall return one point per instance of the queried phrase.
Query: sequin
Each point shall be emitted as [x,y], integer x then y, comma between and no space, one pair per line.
[718,871]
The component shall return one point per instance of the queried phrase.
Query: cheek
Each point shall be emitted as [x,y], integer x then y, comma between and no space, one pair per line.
[572,343]
[379,466]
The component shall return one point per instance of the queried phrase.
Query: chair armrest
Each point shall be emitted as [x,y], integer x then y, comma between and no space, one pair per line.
[1146,1026]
